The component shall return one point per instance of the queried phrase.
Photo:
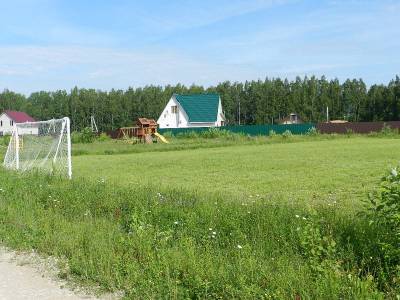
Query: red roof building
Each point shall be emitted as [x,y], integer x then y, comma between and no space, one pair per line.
[19,116]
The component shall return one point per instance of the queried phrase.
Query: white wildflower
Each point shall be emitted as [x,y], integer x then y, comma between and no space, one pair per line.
[176,222]
[297,216]
[239,247]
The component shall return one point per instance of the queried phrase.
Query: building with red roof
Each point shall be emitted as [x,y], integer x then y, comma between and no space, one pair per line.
[10,117]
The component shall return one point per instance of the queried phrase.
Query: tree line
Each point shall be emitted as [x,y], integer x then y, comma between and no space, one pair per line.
[252,102]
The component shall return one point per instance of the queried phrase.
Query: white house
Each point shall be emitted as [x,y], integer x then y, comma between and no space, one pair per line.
[195,110]
[8,118]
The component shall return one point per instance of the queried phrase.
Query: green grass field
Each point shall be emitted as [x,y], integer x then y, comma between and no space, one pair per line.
[242,218]
[343,169]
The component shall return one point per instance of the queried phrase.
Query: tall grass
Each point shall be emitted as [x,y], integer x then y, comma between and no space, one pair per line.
[154,243]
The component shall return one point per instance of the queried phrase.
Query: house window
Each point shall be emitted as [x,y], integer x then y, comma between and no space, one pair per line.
[1,123]
[174,109]
[11,122]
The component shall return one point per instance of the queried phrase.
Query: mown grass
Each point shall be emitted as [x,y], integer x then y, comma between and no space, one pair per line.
[188,142]
[267,221]
[309,172]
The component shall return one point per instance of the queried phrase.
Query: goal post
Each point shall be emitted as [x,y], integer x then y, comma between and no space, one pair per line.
[43,146]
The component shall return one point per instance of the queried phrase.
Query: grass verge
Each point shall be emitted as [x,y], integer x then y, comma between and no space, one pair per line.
[154,243]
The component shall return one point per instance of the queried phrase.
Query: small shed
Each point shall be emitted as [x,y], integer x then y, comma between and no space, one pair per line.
[293,118]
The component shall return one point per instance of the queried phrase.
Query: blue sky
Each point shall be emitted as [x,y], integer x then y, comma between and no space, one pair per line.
[59,44]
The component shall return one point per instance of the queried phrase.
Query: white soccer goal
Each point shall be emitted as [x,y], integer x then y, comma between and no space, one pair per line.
[43,145]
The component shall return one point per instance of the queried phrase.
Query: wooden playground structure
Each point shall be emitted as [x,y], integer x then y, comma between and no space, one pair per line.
[145,131]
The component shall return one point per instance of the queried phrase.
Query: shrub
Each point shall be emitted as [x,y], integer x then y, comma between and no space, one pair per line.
[212,133]
[103,137]
[5,140]
[168,134]
[387,130]
[349,132]
[312,131]
[85,136]
[188,134]
[216,133]
[287,134]
[75,137]
[384,214]
[272,133]
[320,250]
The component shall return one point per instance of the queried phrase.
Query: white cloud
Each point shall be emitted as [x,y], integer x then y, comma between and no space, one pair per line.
[27,69]
[178,15]
[336,40]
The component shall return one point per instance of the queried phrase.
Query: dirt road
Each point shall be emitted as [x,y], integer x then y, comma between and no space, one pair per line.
[20,278]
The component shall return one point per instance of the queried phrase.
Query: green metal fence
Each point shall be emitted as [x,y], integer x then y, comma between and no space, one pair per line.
[247,129]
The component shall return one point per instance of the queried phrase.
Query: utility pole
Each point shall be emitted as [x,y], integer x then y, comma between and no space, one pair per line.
[327,114]
[239,110]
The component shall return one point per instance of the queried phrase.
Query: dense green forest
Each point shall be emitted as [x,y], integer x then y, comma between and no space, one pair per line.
[260,102]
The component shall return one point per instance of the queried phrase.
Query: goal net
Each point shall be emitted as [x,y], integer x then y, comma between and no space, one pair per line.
[43,145]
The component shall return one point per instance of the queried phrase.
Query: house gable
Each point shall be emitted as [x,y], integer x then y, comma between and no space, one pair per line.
[6,124]
[170,119]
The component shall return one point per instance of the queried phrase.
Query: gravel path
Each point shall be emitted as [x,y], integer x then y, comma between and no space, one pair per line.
[26,276]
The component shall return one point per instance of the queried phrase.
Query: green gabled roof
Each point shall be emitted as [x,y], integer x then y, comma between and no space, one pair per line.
[200,107]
